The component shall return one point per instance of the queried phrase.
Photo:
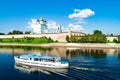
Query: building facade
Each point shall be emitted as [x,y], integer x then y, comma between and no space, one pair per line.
[40,27]
[43,26]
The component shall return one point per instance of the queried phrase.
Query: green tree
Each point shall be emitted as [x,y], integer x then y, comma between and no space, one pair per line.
[2,33]
[1,40]
[118,38]
[115,40]
[27,32]
[97,32]
[16,32]
[111,34]
[93,38]
[67,38]
[73,38]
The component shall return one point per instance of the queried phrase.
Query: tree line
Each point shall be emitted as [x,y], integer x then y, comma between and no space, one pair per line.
[117,40]
[96,37]
[16,32]
[31,40]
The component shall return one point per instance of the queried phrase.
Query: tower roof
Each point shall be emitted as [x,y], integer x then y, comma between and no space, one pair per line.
[41,19]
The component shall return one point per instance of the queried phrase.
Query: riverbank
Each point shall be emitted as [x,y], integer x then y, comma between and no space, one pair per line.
[71,45]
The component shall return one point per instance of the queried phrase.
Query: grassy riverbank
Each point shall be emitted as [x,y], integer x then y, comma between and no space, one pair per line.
[28,40]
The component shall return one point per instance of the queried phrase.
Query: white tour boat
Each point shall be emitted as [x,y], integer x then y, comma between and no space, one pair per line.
[41,61]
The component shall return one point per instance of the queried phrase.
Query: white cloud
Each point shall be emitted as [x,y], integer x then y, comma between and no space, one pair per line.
[63,29]
[32,22]
[75,27]
[79,17]
[52,24]
[80,21]
[77,10]
[81,14]
[34,25]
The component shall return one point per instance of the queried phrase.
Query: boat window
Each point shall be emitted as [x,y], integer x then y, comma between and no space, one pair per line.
[35,59]
[25,58]
[18,56]
[39,59]
[53,60]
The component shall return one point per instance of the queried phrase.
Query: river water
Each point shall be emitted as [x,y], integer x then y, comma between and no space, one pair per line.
[85,64]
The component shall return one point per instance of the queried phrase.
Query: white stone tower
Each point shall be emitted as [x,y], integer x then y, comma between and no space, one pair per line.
[43,26]
[59,30]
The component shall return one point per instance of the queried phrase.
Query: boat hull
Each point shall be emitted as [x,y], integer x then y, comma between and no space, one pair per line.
[41,64]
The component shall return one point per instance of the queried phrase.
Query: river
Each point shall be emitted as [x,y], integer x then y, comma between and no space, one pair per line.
[84,64]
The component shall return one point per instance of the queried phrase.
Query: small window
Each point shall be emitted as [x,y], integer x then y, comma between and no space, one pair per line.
[35,59]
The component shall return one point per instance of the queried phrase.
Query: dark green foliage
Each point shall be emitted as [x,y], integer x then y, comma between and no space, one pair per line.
[2,33]
[111,34]
[118,38]
[115,40]
[97,32]
[16,32]
[72,38]
[1,40]
[27,32]
[97,37]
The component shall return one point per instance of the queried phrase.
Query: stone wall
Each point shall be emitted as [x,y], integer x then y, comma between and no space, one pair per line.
[61,37]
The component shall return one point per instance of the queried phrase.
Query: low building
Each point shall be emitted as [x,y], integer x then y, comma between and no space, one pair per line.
[111,38]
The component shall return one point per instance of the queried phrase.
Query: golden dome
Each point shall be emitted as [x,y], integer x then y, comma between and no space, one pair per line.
[41,19]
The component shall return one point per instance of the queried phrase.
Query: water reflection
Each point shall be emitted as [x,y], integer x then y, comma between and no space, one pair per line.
[63,52]
[119,54]
[83,55]
[87,53]
[24,49]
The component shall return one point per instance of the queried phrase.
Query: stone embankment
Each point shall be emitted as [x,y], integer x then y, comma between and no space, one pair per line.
[72,45]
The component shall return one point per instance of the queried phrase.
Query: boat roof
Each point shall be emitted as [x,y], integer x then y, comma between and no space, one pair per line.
[28,56]
[38,56]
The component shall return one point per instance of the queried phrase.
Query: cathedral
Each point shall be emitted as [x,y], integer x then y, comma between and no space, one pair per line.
[40,27]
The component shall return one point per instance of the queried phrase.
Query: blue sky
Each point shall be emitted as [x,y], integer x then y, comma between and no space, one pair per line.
[15,14]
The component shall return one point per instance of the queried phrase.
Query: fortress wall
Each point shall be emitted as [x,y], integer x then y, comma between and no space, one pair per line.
[61,37]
